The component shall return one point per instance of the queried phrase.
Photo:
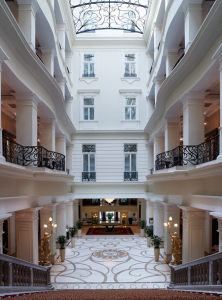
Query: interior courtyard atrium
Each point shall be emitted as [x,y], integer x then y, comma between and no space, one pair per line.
[110,149]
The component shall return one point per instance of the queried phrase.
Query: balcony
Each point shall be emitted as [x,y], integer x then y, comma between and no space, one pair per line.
[35,156]
[189,155]
[88,75]
[88,176]
[129,75]
[130,176]
[115,202]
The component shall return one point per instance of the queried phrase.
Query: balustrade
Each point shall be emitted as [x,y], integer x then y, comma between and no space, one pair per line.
[205,271]
[130,176]
[189,155]
[19,275]
[36,156]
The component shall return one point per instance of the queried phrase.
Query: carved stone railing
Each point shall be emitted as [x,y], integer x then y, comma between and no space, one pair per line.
[17,275]
[130,176]
[189,155]
[32,156]
[206,271]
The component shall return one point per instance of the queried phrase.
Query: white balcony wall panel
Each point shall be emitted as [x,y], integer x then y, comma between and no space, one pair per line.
[110,162]
[109,102]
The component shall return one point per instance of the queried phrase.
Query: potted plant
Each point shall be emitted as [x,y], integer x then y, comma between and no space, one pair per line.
[156,241]
[110,215]
[61,239]
[73,230]
[142,224]
[134,215]
[149,232]
[79,224]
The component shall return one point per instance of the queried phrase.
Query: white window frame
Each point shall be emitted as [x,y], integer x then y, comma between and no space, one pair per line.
[88,159]
[129,79]
[81,77]
[130,158]
[125,105]
[88,106]
[130,63]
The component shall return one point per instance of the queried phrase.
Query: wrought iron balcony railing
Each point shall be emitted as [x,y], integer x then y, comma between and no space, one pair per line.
[88,75]
[189,155]
[130,176]
[151,171]
[130,75]
[88,176]
[36,156]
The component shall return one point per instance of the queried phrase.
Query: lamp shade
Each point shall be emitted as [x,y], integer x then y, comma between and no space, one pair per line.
[109,200]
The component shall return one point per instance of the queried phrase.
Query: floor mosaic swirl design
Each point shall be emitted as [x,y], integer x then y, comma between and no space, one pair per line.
[110,263]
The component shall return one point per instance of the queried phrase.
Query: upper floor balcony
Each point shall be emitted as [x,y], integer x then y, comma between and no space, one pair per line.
[115,202]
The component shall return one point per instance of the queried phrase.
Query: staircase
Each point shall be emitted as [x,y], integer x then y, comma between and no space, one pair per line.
[17,275]
[204,274]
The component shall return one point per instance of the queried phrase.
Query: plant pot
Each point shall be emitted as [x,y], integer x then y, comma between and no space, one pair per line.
[79,233]
[148,241]
[62,254]
[57,246]
[156,253]
[109,220]
[142,232]
[73,242]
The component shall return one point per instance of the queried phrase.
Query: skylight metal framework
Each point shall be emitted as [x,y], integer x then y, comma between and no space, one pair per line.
[91,15]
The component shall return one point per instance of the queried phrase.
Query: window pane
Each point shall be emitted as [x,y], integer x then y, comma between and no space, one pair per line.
[126,68]
[130,57]
[92,162]
[127,113]
[92,69]
[86,117]
[133,113]
[133,162]
[85,69]
[130,101]
[85,162]
[127,162]
[91,113]
[88,101]
[133,69]
[88,57]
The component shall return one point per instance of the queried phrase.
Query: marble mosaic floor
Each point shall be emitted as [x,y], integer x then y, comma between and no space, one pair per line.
[108,263]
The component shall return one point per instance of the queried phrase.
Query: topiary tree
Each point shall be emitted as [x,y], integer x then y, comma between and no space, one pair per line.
[156,241]
[79,224]
[142,224]
[73,230]
[149,231]
[61,239]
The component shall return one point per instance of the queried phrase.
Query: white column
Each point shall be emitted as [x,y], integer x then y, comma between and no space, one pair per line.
[170,210]
[47,129]
[49,211]
[26,224]
[3,57]
[69,213]
[166,4]
[69,164]
[149,212]
[26,20]
[143,209]
[150,59]
[193,21]
[48,58]
[60,145]
[61,28]
[61,219]
[11,238]
[193,233]
[68,105]
[53,3]
[158,218]
[218,56]
[157,37]
[75,211]
[157,84]
[172,133]
[61,82]
[150,159]
[26,119]
[171,59]
[159,146]
[150,106]
[193,118]
[208,233]
[69,61]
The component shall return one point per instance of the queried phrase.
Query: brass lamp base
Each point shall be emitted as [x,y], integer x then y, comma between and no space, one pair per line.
[45,263]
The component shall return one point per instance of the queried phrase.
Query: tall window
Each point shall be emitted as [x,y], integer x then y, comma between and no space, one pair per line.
[130,65]
[130,109]
[88,65]
[88,158]
[88,108]
[130,173]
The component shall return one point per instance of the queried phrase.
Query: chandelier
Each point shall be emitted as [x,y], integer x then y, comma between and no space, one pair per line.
[91,15]
[110,200]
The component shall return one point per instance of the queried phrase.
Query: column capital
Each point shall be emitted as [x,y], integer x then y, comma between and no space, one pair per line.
[24,98]
[157,25]
[61,205]
[158,204]
[61,26]
[158,79]
[70,146]
[69,54]
[171,51]
[61,79]
[69,203]
[149,203]
[48,121]
[33,3]
[192,213]
[171,122]
[48,50]
[149,53]
[68,99]
[27,215]
[3,56]
[192,97]
[50,208]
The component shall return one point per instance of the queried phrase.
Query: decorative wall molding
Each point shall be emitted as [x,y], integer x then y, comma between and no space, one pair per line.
[130,80]
[194,214]
[88,80]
